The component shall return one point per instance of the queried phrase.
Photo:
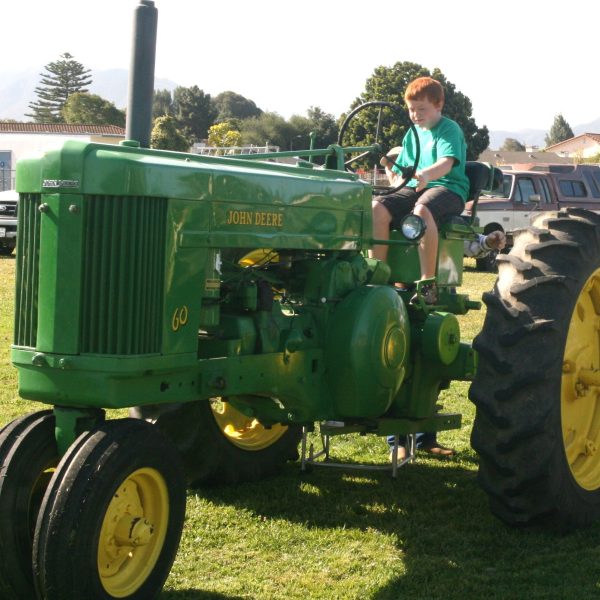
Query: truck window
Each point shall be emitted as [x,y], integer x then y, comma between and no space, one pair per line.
[525,188]
[572,188]
[592,182]
[507,182]
[545,191]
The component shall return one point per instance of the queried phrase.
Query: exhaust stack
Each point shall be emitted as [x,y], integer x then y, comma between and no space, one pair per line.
[141,74]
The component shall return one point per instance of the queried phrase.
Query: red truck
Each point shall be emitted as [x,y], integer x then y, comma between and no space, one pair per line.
[524,194]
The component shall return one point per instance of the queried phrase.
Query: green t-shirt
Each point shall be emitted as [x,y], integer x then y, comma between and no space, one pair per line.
[444,139]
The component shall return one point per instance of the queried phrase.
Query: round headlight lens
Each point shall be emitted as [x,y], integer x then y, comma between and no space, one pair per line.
[413,227]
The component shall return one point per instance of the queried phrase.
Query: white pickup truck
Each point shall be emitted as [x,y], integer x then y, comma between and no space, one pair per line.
[8,221]
[525,194]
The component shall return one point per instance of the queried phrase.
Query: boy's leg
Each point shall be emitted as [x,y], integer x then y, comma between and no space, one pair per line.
[381,230]
[433,206]
[428,246]
[388,212]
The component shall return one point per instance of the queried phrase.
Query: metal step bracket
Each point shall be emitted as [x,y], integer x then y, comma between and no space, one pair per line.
[322,458]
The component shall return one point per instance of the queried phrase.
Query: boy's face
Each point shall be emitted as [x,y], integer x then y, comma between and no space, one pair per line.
[424,113]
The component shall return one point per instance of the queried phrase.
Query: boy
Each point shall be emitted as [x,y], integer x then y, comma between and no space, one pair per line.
[439,187]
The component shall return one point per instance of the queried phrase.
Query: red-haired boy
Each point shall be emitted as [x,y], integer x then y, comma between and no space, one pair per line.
[439,188]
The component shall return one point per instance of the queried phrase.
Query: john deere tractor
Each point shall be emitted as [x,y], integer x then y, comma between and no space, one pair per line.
[229,303]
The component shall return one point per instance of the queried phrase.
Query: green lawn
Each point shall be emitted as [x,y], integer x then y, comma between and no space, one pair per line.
[332,534]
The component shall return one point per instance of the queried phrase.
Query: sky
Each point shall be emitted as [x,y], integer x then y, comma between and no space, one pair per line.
[521,62]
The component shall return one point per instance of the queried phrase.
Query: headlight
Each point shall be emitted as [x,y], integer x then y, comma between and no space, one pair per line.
[413,227]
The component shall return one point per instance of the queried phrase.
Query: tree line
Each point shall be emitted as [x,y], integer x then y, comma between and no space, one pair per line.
[188,114]
[559,132]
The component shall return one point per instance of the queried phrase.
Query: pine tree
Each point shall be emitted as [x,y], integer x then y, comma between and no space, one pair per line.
[559,132]
[60,79]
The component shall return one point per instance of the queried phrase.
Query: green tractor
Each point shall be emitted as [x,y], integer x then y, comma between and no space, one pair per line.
[230,305]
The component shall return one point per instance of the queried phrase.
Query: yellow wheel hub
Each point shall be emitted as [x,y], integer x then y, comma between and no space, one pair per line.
[133,532]
[580,387]
[242,431]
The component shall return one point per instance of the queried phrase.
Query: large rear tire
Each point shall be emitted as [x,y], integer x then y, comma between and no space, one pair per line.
[110,522]
[537,424]
[219,444]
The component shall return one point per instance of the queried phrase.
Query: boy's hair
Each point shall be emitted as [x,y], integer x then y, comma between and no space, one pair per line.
[425,87]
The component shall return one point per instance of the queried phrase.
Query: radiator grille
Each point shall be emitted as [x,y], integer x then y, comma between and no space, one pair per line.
[123,275]
[27,279]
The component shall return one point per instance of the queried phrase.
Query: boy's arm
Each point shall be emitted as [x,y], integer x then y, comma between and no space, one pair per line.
[440,168]
[393,177]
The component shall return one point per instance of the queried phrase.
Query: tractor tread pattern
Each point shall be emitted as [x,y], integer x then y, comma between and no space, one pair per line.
[517,430]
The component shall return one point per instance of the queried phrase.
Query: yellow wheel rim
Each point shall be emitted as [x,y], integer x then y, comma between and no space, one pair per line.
[258,257]
[242,431]
[580,387]
[37,493]
[133,532]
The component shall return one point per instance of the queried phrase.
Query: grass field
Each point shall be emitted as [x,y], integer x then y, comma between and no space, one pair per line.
[332,534]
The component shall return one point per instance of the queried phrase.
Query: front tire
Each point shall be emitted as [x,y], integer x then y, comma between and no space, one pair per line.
[28,456]
[111,519]
[537,424]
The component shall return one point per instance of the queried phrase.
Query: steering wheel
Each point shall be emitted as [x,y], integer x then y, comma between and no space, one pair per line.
[407,172]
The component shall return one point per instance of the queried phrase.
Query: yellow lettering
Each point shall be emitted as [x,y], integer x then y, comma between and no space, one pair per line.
[269,216]
[279,220]
[228,218]
[235,217]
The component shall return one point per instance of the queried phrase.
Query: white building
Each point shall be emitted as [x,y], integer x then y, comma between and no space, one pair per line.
[18,140]
[580,146]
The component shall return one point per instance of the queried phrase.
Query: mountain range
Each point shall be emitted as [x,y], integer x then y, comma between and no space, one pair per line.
[17,91]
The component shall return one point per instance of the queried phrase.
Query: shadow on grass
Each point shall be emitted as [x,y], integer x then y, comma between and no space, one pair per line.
[195,595]
[450,544]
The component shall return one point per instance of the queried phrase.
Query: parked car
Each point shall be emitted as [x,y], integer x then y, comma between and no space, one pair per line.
[523,195]
[9,202]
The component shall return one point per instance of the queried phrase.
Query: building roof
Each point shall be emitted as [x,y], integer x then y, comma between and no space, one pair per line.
[593,136]
[61,128]
[499,158]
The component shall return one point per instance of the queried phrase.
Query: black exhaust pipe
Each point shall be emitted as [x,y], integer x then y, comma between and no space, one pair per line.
[141,74]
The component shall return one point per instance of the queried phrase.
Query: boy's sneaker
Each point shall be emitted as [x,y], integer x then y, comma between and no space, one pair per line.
[429,294]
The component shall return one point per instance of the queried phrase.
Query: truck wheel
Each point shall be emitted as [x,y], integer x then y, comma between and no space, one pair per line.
[220,444]
[112,516]
[537,424]
[487,264]
[28,456]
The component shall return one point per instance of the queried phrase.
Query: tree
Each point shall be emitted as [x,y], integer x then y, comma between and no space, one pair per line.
[223,135]
[323,124]
[388,84]
[268,128]
[512,145]
[166,136]
[162,103]
[230,105]
[62,78]
[559,132]
[194,111]
[91,109]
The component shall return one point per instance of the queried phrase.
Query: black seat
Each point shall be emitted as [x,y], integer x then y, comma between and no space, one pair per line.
[482,176]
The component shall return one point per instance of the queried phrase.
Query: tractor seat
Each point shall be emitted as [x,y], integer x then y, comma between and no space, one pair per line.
[482,176]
